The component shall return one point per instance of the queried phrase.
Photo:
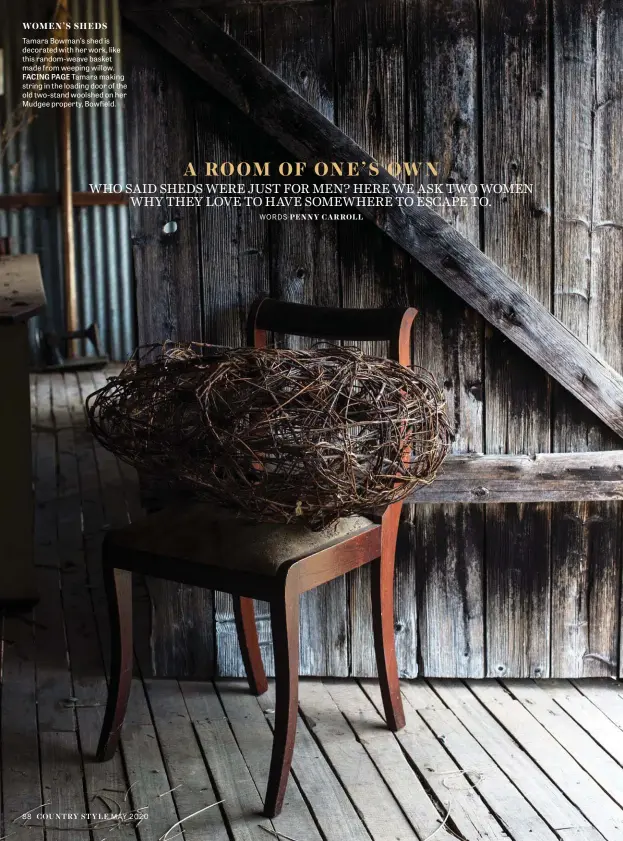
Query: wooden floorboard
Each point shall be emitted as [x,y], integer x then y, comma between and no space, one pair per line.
[106,783]
[478,760]
[605,696]
[233,782]
[366,788]
[62,766]
[553,806]
[384,751]
[253,733]
[513,810]
[560,765]
[587,753]
[330,803]
[189,778]
[19,740]
[595,722]
[463,809]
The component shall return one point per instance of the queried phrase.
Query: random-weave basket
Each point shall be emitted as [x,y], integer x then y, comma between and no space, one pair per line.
[148,415]
[280,434]
[320,433]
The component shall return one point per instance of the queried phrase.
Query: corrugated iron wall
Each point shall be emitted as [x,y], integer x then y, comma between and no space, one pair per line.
[104,276]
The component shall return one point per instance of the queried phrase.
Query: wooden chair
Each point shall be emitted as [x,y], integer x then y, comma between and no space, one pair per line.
[206,547]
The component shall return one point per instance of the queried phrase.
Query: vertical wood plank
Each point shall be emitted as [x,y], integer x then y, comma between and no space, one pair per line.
[165,264]
[166,270]
[606,284]
[234,248]
[448,540]
[21,771]
[574,94]
[304,269]
[516,148]
[234,241]
[299,49]
[369,63]
[586,537]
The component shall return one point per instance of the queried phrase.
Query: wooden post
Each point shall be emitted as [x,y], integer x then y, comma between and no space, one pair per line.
[67,207]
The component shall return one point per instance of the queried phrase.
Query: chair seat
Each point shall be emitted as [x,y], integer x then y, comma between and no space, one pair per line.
[205,534]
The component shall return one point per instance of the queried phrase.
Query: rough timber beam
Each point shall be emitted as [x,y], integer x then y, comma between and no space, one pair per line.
[555,477]
[199,43]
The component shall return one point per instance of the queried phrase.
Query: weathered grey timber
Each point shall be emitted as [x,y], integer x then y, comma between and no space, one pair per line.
[274,107]
[502,90]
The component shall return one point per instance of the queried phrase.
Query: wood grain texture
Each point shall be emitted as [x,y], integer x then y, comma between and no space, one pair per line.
[305,133]
[557,720]
[234,248]
[606,697]
[606,278]
[166,266]
[80,592]
[232,780]
[469,818]
[369,67]
[544,796]
[517,236]
[334,812]
[166,270]
[186,770]
[304,269]
[385,752]
[586,538]
[447,542]
[604,731]
[529,97]
[546,477]
[355,767]
[512,809]
[253,734]
[559,765]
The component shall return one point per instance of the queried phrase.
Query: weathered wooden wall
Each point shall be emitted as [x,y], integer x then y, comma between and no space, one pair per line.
[497,90]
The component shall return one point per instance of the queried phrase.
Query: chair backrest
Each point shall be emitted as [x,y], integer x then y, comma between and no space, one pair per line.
[392,324]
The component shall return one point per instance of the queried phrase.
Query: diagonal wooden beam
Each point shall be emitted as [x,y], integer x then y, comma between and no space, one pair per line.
[199,43]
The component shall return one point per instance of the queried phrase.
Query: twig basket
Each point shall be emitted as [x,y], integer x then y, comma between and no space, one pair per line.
[280,434]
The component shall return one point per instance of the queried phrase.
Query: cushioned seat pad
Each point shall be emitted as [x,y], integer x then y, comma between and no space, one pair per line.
[208,535]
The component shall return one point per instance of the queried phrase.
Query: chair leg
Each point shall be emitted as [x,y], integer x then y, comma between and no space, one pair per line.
[118,585]
[285,626]
[382,581]
[244,613]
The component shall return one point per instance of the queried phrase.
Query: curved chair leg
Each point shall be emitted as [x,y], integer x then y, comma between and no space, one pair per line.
[244,613]
[118,584]
[284,614]
[382,581]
